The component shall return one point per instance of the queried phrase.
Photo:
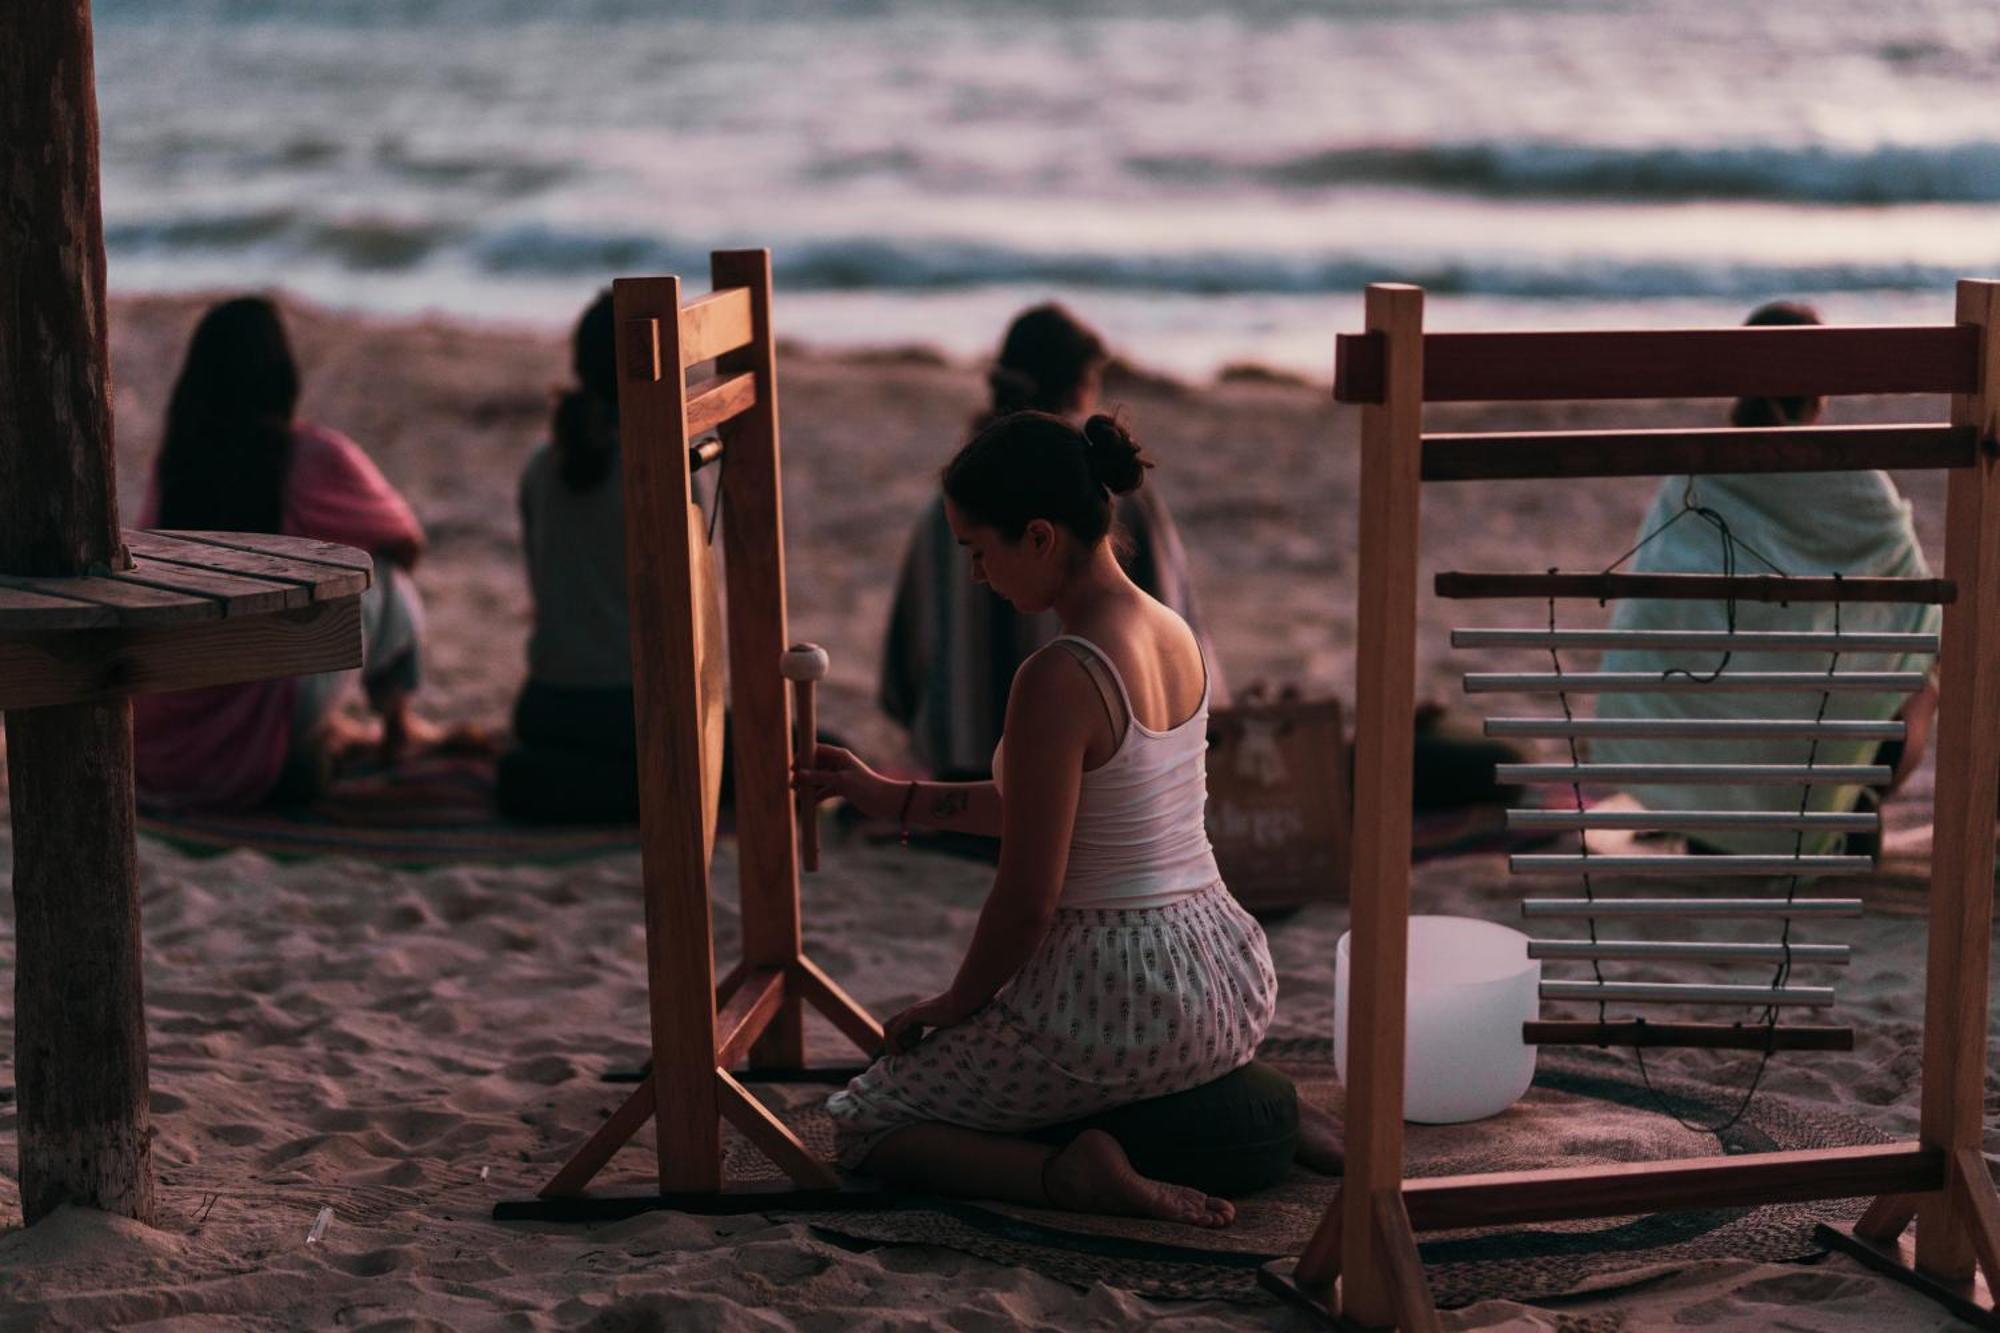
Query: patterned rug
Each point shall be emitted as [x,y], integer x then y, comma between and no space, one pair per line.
[1585,1107]
[436,810]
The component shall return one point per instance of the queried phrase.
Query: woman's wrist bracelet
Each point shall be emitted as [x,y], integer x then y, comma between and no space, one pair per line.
[903,817]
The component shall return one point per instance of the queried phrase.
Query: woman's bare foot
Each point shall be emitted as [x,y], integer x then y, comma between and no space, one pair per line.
[1093,1175]
[405,732]
[344,739]
[1322,1142]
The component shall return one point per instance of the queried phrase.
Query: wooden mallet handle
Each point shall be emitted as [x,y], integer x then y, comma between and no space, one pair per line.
[805,664]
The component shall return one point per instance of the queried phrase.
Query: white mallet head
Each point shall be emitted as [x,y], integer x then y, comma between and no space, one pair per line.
[805,661]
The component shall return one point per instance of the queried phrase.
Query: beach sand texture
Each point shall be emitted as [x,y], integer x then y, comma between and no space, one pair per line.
[407,1047]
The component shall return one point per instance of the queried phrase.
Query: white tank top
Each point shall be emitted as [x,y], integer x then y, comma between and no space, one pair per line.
[1140,838]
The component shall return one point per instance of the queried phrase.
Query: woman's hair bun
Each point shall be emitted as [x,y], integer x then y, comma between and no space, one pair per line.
[1113,456]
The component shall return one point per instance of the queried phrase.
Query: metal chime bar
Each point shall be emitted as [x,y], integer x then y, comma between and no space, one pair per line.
[1689,907]
[1700,640]
[1695,728]
[1626,867]
[1688,951]
[1687,821]
[1603,587]
[1683,992]
[1654,682]
[1746,775]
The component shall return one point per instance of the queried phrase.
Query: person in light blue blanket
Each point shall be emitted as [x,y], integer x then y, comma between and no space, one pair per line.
[1820,523]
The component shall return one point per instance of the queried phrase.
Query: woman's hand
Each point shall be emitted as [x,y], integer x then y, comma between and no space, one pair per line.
[907,1028]
[839,772]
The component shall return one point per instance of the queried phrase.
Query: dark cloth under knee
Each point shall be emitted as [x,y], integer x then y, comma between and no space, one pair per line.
[1232,1136]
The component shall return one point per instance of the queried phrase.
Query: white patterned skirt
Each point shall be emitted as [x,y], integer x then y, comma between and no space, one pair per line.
[1115,1006]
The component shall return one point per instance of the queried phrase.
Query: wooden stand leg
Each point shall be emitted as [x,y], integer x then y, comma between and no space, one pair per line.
[612,1135]
[756,1123]
[1970,1299]
[1887,1217]
[1969,1206]
[1411,1293]
[1385,675]
[1977,1207]
[825,994]
[1961,898]
[1319,1262]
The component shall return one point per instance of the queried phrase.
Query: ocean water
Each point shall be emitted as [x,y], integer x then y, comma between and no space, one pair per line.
[1208,182]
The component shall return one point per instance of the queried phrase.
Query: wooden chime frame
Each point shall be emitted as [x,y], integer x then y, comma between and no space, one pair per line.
[1362,1265]
[702,1030]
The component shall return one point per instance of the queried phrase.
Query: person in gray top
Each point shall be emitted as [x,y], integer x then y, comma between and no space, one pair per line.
[574,754]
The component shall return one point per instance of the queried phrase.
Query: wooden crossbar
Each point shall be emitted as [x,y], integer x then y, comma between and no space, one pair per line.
[1514,456]
[720,400]
[1601,587]
[1700,640]
[1564,1194]
[1673,363]
[715,324]
[1697,1036]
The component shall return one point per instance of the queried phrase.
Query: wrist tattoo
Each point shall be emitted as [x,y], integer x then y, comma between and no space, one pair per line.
[949,803]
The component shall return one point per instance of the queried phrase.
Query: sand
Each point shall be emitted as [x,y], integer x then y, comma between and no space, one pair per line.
[407,1047]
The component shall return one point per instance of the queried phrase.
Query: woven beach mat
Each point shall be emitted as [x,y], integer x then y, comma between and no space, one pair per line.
[1586,1107]
[428,811]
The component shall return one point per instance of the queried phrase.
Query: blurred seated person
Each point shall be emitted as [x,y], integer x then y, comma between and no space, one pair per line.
[575,753]
[1821,523]
[236,458]
[953,647]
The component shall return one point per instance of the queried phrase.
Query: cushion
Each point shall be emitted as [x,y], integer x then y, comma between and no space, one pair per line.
[1233,1136]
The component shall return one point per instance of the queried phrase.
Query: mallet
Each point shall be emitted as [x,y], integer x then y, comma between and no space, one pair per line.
[803,664]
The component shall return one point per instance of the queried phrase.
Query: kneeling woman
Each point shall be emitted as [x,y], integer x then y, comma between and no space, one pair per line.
[1110,965]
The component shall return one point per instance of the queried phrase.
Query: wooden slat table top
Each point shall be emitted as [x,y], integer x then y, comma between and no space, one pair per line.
[309,549]
[186,578]
[321,582]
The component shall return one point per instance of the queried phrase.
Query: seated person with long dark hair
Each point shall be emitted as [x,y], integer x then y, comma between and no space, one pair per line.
[236,458]
[575,754]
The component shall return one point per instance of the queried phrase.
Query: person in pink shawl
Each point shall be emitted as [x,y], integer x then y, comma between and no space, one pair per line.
[235,458]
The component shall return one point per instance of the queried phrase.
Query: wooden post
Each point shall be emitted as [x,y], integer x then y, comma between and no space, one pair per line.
[1385,717]
[680,947]
[80,1027]
[753,542]
[1961,898]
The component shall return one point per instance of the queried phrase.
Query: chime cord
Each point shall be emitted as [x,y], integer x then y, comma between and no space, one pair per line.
[1730,544]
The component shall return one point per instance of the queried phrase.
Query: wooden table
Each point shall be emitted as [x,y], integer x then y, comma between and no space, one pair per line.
[195,609]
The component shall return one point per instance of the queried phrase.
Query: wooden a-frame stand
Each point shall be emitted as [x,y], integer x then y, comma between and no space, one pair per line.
[1362,1267]
[701,1029]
